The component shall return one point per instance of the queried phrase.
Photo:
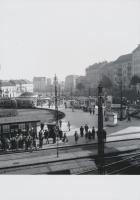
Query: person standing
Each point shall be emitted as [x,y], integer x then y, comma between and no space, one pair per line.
[86,128]
[90,111]
[76,137]
[60,134]
[46,135]
[68,125]
[104,135]
[81,131]
[34,144]
[40,139]
[60,123]
[65,138]
[128,117]
[65,105]
[93,132]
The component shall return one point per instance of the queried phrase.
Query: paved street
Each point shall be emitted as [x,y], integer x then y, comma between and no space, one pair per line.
[124,130]
[78,118]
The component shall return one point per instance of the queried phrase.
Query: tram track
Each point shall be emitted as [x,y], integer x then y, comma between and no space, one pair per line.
[43,153]
[120,166]
[41,167]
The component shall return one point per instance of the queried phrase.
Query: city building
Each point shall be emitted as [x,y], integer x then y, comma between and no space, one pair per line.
[14,88]
[49,82]
[62,87]
[39,84]
[123,70]
[136,61]
[70,83]
[8,89]
[22,85]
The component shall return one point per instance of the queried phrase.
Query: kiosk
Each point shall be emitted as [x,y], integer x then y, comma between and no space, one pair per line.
[111,119]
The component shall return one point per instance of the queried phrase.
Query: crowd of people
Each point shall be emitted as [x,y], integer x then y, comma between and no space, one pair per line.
[18,141]
[88,134]
[32,141]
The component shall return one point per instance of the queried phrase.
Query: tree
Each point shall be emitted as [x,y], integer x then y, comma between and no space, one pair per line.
[80,87]
[106,82]
[135,80]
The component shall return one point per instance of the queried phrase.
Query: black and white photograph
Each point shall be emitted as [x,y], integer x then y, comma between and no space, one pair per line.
[69,87]
[70,99]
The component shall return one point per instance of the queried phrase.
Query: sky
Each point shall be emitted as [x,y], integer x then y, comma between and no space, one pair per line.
[62,37]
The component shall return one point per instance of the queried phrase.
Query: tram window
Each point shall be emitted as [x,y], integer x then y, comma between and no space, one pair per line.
[6,128]
[33,124]
[21,126]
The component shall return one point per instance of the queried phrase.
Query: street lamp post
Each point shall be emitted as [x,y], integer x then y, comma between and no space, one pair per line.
[100,132]
[56,111]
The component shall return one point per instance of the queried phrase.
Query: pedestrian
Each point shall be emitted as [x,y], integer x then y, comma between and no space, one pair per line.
[3,142]
[97,132]
[104,135]
[40,139]
[60,134]
[93,111]
[34,144]
[76,137]
[90,111]
[65,138]
[12,143]
[65,105]
[46,136]
[60,123]
[93,132]
[129,118]
[20,141]
[68,124]
[86,128]
[81,131]
[89,135]
[26,143]
[30,142]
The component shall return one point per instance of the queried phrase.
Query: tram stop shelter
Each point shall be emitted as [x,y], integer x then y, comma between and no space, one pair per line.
[11,126]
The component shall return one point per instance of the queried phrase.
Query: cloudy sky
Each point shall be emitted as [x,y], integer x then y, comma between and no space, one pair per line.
[44,37]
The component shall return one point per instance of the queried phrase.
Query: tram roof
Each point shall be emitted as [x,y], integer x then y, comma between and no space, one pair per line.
[17,120]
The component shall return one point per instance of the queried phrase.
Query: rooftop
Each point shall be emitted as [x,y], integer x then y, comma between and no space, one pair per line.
[124,58]
[28,94]
[137,49]
[6,83]
[97,65]
[14,82]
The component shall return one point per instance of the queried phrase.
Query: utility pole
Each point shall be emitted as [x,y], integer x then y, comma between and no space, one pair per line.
[100,132]
[56,111]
